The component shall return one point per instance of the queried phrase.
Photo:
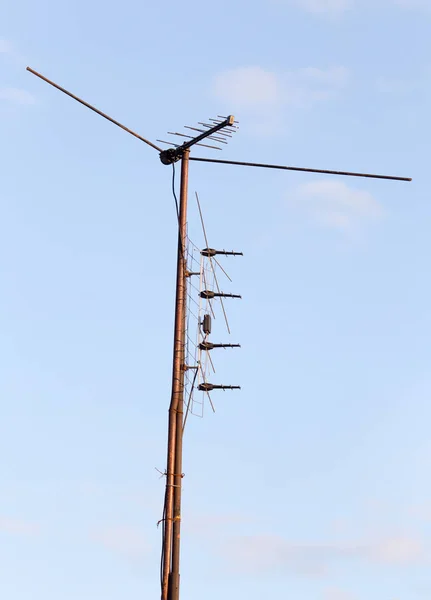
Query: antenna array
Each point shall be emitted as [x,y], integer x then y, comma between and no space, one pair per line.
[218,130]
[208,294]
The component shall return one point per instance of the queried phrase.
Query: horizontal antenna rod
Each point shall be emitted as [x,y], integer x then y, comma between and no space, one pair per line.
[96,110]
[209,387]
[301,169]
[209,294]
[210,346]
[190,137]
[212,252]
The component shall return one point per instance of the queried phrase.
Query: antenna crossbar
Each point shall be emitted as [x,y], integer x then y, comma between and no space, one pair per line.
[94,109]
[301,169]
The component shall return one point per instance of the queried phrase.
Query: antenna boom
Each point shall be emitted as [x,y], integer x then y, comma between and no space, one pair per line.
[94,109]
[301,169]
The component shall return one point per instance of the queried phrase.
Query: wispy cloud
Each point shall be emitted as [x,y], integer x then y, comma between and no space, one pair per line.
[18,527]
[268,554]
[324,7]
[336,205]
[16,96]
[5,47]
[248,87]
[207,526]
[263,93]
[8,49]
[334,8]
[10,94]
[397,551]
[422,512]
[414,4]
[126,541]
[334,593]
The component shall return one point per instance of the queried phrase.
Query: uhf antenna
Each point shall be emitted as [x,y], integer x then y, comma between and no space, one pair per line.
[218,130]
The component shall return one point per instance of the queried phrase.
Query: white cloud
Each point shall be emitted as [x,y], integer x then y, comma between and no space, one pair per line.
[18,527]
[11,54]
[16,96]
[414,4]
[398,551]
[331,7]
[254,87]
[421,512]
[123,540]
[207,525]
[263,94]
[306,87]
[334,77]
[338,594]
[268,554]
[248,87]
[5,47]
[335,205]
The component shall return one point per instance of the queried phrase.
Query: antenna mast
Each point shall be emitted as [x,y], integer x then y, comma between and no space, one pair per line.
[218,130]
[172,512]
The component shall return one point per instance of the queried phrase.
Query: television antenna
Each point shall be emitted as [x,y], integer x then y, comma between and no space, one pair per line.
[218,130]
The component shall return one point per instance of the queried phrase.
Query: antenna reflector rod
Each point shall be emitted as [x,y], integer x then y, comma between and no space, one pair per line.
[212,252]
[209,387]
[210,346]
[209,294]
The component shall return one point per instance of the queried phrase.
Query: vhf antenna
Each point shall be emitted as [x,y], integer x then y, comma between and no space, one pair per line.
[218,130]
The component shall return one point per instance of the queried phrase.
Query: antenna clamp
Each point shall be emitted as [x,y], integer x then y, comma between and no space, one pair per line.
[170,156]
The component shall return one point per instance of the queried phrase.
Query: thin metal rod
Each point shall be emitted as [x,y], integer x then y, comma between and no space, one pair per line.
[206,383]
[211,402]
[208,126]
[178,381]
[211,263]
[169,143]
[211,362]
[206,146]
[180,145]
[190,137]
[218,121]
[96,110]
[190,400]
[324,171]
[171,542]
[203,130]
[220,266]
[221,117]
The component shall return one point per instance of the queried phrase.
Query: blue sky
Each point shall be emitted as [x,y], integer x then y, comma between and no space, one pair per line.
[313,481]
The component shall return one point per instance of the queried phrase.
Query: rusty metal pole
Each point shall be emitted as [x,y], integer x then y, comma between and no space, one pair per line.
[176,541]
[172,516]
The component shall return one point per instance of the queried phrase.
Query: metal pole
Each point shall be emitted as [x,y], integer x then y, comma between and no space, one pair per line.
[176,541]
[172,516]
